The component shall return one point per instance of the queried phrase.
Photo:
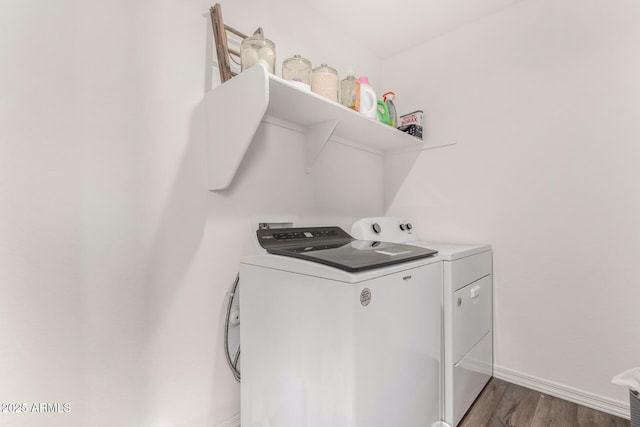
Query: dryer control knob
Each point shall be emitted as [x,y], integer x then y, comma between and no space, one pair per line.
[409,226]
[376,228]
[403,227]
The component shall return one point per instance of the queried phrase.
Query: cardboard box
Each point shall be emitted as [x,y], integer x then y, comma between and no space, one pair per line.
[412,123]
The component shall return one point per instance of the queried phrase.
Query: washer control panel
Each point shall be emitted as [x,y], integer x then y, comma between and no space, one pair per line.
[387,229]
[279,237]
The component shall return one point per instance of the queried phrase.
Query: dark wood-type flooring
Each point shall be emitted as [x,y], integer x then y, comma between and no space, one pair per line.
[502,404]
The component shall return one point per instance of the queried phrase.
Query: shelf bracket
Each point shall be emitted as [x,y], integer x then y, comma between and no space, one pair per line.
[316,137]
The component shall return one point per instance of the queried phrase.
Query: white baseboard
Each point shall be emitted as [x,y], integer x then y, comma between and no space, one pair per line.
[231,422]
[610,406]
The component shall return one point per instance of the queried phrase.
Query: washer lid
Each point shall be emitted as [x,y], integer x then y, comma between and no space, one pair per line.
[334,247]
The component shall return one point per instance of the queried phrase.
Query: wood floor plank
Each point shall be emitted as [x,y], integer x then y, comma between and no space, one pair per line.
[517,407]
[502,404]
[552,411]
[588,417]
[479,415]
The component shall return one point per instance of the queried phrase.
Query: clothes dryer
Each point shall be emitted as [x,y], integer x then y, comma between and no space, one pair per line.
[339,332]
[467,307]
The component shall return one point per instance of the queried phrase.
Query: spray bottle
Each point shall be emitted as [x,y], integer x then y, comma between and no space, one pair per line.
[388,99]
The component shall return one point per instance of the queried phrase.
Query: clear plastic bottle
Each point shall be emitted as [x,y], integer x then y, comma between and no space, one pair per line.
[350,91]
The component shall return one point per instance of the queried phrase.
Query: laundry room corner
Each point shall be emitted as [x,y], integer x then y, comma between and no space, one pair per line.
[542,99]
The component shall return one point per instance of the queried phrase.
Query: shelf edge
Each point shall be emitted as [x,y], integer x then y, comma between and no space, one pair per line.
[250,90]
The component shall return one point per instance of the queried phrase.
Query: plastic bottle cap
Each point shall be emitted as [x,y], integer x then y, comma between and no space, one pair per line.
[364,80]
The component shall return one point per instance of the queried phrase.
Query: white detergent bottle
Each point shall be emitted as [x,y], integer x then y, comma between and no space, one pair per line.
[368,99]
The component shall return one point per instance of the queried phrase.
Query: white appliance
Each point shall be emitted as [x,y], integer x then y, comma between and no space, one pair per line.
[338,332]
[468,310]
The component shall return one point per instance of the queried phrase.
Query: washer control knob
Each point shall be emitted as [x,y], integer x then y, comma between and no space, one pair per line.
[376,228]
[409,226]
[403,227]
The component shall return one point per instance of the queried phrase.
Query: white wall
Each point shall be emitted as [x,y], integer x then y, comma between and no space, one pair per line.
[114,258]
[544,100]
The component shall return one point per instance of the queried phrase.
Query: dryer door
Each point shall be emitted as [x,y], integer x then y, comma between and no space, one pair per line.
[472,306]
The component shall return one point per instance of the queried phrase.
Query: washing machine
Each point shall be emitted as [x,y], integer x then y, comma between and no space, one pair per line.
[467,307]
[339,332]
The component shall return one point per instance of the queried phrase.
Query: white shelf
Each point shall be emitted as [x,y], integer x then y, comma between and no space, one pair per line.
[236,108]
